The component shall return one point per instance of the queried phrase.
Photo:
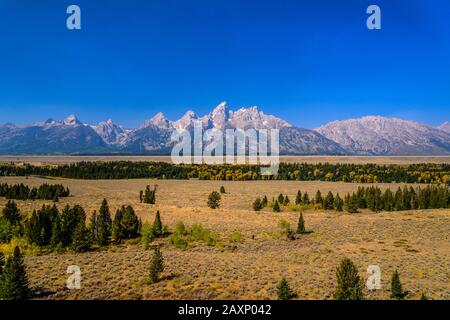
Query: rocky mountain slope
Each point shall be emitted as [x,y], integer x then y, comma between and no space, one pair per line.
[375,135]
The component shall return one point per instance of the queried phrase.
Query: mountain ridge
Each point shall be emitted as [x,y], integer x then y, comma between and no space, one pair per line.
[369,135]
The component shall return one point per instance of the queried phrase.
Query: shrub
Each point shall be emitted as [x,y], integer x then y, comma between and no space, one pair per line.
[198,233]
[257,205]
[147,234]
[214,200]
[222,189]
[236,236]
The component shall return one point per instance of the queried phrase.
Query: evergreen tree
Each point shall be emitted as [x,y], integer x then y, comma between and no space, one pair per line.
[257,204]
[141,196]
[57,235]
[328,202]
[157,225]
[396,287]
[222,189]
[350,203]
[130,223]
[264,201]
[276,207]
[286,201]
[284,291]
[214,200]
[13,279]
[338,203]
[70,219]
[280,198]
[156,265]
[104,224]
[149,195]
[81,238]
[11,213]
[301,224]
[298,198]
[319,199]
[305,199]
[349,286]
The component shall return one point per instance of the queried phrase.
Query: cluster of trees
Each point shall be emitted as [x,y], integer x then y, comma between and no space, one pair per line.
[359,173]
[406,198]
[148,195]
[48,227]
[43,192]
[349,285]
[372,198]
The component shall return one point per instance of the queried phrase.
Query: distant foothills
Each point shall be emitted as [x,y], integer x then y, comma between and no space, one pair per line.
[371,135]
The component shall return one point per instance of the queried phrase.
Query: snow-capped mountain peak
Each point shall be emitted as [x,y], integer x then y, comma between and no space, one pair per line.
[110,132]
[72,120]
[380,135]
[158,120]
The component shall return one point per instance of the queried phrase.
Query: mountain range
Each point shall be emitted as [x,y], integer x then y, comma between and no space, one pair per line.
[371,135]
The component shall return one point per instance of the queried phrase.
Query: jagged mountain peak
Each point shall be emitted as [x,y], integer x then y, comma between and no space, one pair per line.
[158,120]
[72,120]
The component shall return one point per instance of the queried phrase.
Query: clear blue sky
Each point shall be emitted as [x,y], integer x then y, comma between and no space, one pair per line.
[309,62]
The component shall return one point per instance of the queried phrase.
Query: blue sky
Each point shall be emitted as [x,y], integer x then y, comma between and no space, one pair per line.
[309,62]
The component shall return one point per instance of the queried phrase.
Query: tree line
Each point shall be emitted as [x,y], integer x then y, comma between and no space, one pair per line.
[358,173]
[69,228]
[24,192]
[372,198]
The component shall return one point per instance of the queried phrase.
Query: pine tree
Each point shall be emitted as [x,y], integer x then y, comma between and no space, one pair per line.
[350,203]
[13,279]
[157,225]
[319,199]
[264,201]
[214,200]
[305,199]
[257,204]
[11,213]
[396,287]
[349,286]
[286,201]
[328,202]
[280,198]
[81,239]
[301,224]
[156,265]
[57,235]
[276,207]
[284,292]
[104,224]
[338,203]
[298,198]
[222,189]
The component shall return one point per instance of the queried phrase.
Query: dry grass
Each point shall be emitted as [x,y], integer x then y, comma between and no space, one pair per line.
[415,243]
